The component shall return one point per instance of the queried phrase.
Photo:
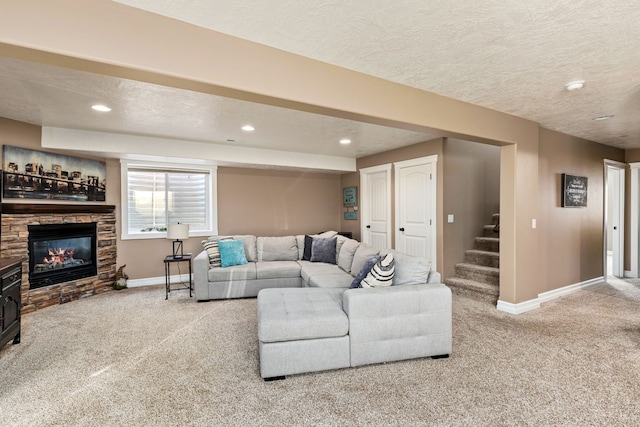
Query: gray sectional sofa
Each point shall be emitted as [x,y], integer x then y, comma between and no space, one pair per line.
[308,318]
[276,262]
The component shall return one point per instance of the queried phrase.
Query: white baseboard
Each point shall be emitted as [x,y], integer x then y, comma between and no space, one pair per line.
[152,281]
[629,274]
[533,304]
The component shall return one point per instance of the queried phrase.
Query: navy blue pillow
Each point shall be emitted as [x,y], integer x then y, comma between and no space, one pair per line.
[365,270]
[306,254]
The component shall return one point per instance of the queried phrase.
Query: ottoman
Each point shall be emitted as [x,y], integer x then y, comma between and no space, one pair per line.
[301,330]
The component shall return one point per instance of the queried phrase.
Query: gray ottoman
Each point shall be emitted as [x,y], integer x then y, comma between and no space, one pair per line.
[301,330]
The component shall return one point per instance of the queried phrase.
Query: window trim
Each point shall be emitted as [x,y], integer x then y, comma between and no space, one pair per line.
[212,196]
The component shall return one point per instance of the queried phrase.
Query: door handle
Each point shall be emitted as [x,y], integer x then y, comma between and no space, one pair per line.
[402,229]
[368,226]
[615,228]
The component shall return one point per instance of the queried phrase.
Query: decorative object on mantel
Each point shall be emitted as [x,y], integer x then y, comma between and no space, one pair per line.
[574,191]
[120,281]
[178,232]
[31,174]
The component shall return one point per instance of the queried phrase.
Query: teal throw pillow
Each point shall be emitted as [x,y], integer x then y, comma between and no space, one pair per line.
[231,253]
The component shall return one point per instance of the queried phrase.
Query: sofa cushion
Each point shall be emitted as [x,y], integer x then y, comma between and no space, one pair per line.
[355,283]
[232,253]
[234,273]
[249,246]
[309,269]
[339,280]
[277,248]
[323,250]
[300,313]
[362,255]
[277,269]
[345,255]
[381,273]
[410,270]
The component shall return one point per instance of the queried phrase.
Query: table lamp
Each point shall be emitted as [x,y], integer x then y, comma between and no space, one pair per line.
[178,232]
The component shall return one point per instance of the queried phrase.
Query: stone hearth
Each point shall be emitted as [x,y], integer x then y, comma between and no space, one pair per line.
[15,220]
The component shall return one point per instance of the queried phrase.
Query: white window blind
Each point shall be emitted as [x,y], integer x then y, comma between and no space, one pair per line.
[156,197]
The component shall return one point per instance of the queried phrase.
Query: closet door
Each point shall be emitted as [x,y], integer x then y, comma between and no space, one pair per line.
[415,189]
[376,206]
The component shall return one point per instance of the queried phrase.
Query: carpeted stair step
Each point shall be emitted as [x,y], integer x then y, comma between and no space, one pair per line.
[490,244]
[485,258]
[495,218]
[472,289]
[491,231]
[479,273]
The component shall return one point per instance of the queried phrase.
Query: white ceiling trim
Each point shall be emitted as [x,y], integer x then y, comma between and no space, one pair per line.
[132,146]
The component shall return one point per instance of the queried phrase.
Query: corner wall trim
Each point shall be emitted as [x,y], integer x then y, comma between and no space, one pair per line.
[534,304]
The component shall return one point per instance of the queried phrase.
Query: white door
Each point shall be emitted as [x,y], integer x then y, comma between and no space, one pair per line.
[376,206]
[615,221]
[415,207]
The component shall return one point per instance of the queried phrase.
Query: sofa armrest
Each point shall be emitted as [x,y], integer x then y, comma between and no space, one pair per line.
[201,276]
[434,277]
[398,322]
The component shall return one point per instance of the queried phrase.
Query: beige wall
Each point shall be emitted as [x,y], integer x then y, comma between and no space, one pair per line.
[250,201]
[571,239]
[471,194]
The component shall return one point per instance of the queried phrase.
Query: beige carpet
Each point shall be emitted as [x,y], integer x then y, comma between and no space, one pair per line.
[130,358]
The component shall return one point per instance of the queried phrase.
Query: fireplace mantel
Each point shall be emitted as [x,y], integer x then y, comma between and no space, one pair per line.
[42,208]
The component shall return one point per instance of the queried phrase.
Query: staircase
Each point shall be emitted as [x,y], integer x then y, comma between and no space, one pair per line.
[479,275]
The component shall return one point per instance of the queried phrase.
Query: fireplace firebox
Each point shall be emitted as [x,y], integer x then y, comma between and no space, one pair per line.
[61,253]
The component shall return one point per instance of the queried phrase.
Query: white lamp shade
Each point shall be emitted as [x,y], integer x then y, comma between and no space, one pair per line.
[178,231]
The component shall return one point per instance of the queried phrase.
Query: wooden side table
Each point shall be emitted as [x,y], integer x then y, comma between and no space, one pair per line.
[168,260]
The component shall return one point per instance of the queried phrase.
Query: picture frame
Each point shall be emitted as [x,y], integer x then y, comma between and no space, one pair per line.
[40,175]
[574,191]
[350,196]
[351,215]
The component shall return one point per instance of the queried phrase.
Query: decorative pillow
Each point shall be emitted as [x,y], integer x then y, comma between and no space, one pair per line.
[306,255]
[361,256]
[232,253]
[381,273]
[323,250]
[365,270]
[213,251]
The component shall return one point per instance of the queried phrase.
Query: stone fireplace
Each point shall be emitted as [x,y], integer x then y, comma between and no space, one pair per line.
[68,251]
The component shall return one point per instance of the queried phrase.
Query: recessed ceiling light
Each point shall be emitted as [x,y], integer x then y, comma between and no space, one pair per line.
[345,141]
[604,117]
[102,108]
[248,128]
[578,84]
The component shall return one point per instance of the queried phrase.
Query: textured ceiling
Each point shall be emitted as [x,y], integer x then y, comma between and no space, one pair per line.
[57,97]
[512,56]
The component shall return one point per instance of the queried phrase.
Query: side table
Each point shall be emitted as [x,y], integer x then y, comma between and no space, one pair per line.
[168,260]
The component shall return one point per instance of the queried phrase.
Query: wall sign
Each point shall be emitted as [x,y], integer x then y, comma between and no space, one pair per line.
[350,196]
[574,191]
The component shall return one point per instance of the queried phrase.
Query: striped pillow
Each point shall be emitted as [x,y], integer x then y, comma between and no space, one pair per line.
[381,274]
[211,246]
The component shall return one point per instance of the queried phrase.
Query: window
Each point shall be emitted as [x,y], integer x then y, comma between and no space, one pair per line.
[154,196]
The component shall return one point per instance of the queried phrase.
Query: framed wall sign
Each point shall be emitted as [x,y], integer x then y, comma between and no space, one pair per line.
[351,215]
[350,196]
[574,191]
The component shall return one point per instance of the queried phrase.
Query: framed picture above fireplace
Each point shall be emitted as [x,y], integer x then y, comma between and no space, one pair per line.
[32,174]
